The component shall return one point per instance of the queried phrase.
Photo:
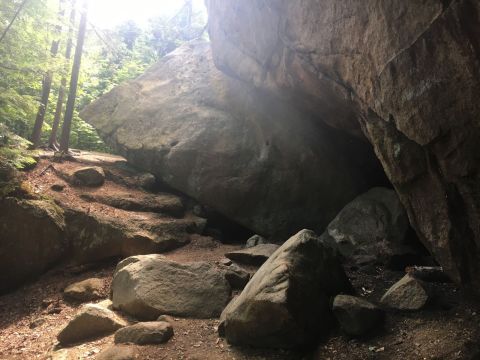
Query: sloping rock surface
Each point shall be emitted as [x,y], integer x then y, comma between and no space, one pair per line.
[148,286]
[403,73]
[287,302]
[227,145]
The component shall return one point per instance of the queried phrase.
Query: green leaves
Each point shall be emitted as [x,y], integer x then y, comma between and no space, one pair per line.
[110,58]
[14,150]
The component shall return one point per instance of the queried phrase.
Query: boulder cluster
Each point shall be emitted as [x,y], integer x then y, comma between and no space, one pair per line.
[298,293]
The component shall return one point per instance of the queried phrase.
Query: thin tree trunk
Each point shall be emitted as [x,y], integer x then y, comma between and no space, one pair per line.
[52,142]
[46,87]
[67,122]
[4,33]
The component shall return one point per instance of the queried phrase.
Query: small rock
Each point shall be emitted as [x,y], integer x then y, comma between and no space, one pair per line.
[57,187]
[143,333]
[54,308]
[407,294]
[237,277]
[146,181]
[255,240]
[37,322]
[117,352]
[86,290]
[355,315]
[256,255]
[92,321]
[225,262]
[89,176]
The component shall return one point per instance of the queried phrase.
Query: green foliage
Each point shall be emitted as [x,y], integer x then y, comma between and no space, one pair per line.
[14,150]
[110,58]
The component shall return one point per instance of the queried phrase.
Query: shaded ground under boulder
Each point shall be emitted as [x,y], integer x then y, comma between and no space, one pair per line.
[357,316]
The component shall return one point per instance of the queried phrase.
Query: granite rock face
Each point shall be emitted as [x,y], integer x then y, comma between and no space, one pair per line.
[31,239]
[237,149]
[403,74]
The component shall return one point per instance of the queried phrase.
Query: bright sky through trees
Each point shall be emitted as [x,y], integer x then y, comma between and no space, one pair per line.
[110,13]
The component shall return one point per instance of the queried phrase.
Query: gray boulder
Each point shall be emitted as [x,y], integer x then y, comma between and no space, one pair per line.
[287,302]
[144,333]
[227,145]
[91,321]
[406,294]
[373,225]
[355,315]
[256,255]
[150,285]
[89,176]
[256,240]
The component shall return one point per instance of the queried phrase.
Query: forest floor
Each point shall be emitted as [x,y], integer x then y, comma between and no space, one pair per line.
[33,315]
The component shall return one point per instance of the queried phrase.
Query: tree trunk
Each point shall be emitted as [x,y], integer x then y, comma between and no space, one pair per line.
[46,87]
[67,122]
[4,33]
[52,142]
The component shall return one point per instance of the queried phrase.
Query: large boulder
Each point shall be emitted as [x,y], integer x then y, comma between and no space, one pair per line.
[32,239]
[287,302]
[373,225]
[228,145]
[148,286]
[403,73]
